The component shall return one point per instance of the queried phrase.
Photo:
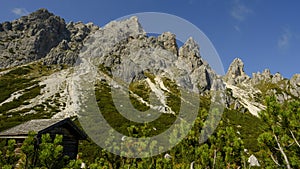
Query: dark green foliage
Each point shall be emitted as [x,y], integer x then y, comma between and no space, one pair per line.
[21,78]
[28,94]
[8,120]
[8,157]
[20,71]
[47,154]
[120,123]
[150,76]
[141,89]
[50,152]
[173,97]
[224,149]
[279,144]
[29,149]
[12,84]
[11,50]
[249,127]
[105,69]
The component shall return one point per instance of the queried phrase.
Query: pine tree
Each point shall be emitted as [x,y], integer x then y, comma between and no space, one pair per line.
[280,144]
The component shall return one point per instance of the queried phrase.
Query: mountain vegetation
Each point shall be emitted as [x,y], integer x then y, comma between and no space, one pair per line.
[278,147]
[41,57]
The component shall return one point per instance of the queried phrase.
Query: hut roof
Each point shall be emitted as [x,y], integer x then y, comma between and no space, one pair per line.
[39,126]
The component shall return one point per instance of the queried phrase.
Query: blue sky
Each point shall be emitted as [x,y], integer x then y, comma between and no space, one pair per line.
[264,34]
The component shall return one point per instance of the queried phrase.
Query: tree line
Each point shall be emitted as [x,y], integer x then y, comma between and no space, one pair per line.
[278,147]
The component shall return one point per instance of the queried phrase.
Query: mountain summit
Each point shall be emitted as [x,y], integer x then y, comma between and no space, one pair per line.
[39,35]
[236,73]
[38,53]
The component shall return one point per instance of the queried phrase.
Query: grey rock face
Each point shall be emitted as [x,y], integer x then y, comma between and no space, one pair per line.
[236,73]
[168,41]
[37,35]
[260,85]
[30,37]
[281,97]
[67,51]
[266,74]
[121,45]
[124,47]
[190,53]
[258,77]
[277,78]
[295,85]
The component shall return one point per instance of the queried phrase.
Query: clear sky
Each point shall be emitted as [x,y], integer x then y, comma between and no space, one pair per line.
[263,33]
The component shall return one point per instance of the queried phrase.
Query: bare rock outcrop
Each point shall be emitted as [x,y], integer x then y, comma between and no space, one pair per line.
[236,73]
[295,85]
[68,50]
[41,35]
[122,49]
[30,37]
[168,41]
[129,52]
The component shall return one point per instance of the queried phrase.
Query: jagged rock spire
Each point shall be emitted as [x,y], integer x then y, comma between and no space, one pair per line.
[189,49]
[34,36]
[295,83]
[124,28]
[169,42]
[236,73]
[190,52]
[40,14]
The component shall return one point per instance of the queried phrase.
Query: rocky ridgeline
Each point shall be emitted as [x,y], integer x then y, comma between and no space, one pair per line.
[125,48]
[236,73]
[262,84]
[41,35]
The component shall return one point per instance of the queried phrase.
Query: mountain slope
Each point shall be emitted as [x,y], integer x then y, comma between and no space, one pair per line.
[42,57]
[251,92]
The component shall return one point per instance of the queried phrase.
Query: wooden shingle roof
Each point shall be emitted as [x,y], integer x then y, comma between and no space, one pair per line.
[39,126]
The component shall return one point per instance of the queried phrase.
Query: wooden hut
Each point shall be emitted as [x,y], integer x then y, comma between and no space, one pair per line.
[66,127]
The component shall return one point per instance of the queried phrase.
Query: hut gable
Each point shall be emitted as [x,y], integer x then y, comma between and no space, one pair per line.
[66,127]
[21,131]
[42,126]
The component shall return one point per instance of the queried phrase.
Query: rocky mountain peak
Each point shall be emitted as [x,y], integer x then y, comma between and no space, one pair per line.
[130,27]
[168,40]
[41,35]
[30,37]
[266,73]
[40,19]
[277,78]
[190,52]
[190,49]
[123,49]
[236,68]
[236,73]
[42,14]
[266,76]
